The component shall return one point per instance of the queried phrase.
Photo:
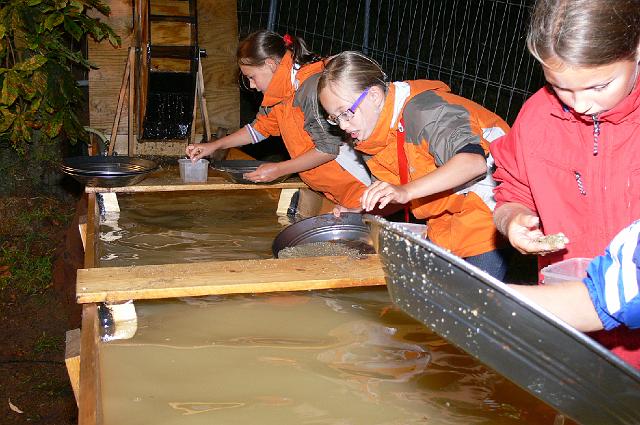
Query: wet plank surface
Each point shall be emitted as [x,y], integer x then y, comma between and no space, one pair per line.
[168,180]
[226,277]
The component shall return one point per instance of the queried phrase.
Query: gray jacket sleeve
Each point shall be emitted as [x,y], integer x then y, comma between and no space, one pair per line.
[445,126]
[326,138]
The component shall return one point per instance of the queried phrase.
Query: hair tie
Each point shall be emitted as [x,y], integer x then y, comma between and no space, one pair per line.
[288,40]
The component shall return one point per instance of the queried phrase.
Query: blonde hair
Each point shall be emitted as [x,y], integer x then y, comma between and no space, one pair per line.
[585,32]
[353,70]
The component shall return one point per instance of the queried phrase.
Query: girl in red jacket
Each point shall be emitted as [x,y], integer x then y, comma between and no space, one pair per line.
[571,162]
[287,74]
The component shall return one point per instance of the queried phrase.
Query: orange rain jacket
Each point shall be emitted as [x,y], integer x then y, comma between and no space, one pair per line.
[290,108]
[437,124]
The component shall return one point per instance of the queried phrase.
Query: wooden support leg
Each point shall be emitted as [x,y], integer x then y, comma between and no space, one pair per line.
[72,360]
[121,95]
[203,103]
[285,201]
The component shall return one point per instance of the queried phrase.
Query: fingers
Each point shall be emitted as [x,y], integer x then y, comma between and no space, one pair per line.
[379,192]
[194,152]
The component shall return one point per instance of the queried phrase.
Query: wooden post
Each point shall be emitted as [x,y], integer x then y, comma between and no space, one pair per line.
[199,97]
[72,360]
[132,94]
[126,79]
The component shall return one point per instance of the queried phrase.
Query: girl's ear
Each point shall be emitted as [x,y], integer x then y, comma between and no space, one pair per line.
[377,96]
[271,64]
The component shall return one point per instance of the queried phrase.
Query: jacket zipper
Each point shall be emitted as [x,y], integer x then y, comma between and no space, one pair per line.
[596,134]
[580,183]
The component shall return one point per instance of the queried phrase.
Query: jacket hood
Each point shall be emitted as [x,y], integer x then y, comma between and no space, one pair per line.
[379,138]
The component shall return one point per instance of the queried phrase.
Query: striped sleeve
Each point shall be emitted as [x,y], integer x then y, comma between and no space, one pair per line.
[613,280]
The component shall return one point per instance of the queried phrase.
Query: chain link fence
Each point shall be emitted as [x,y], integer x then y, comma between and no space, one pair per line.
[477,47]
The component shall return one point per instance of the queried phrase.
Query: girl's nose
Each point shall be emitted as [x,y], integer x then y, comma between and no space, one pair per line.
[343,124]
[581,103]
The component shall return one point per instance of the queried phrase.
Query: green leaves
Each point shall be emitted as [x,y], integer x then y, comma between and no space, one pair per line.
[38,90]
[31,64]
[72,28]
[53,21]
[10,88]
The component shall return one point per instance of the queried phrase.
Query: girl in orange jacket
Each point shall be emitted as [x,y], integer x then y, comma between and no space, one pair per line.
[427,147]
[287,73]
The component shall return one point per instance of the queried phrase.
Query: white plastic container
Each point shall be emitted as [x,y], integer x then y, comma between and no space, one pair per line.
[573,269]
[194,172]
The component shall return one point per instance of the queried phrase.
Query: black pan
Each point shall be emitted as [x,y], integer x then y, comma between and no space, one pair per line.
[349,228]
[108,171]
[237,168]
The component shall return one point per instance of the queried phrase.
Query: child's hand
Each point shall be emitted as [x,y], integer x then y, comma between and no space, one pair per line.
[200,150]
[384,193]
[339,209]
[264,173]
[525,235]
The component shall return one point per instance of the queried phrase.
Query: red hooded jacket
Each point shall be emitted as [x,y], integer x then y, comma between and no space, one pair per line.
[547,163]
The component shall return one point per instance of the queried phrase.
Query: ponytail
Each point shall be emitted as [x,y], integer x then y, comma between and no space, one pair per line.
[261,45]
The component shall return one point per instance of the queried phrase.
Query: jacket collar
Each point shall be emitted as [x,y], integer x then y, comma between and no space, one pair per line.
[377,141]
[287,79]
[386,125]
[280,86]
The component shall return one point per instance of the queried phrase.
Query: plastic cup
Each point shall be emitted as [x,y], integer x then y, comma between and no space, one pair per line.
[573,269]
[193,172]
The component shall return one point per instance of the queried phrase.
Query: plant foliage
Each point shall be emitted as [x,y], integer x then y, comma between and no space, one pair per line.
[38,50]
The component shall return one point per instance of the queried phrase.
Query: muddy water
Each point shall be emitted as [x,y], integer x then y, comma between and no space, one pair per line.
[332,357]
[325,357]
[182,227]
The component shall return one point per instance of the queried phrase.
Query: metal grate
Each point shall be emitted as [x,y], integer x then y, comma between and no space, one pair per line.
[477,47]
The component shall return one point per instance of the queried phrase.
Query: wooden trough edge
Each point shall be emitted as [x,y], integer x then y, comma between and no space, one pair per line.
[115,284]
[175,185]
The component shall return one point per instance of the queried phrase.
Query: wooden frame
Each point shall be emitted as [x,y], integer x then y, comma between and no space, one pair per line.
[89,406]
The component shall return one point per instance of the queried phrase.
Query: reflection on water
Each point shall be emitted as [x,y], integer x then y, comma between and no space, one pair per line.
[181,227]
[329,357]
[324,357]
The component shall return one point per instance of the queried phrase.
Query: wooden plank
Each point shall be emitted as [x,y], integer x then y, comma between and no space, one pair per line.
[170,33]
[104,83]
[226,277]
[170,7]
[218,35]
[168,180]
[175,184]
[170,64]
[89,406]
[92,230]
[72,360]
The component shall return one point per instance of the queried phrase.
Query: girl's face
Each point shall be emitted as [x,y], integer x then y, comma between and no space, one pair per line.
[591,91]
[259,76]
[336,99]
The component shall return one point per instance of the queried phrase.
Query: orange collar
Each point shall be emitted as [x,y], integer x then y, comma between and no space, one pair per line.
[384,131]
[281,87]
[379,138]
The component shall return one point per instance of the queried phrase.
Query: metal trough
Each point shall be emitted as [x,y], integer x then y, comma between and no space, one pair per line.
[485,318]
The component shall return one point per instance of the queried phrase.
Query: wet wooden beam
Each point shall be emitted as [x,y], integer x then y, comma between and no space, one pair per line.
[226,277]
[172,183]
[89,412]
[72,360]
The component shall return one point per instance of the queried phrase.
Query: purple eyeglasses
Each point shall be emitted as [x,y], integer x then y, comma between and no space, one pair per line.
[349,113]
